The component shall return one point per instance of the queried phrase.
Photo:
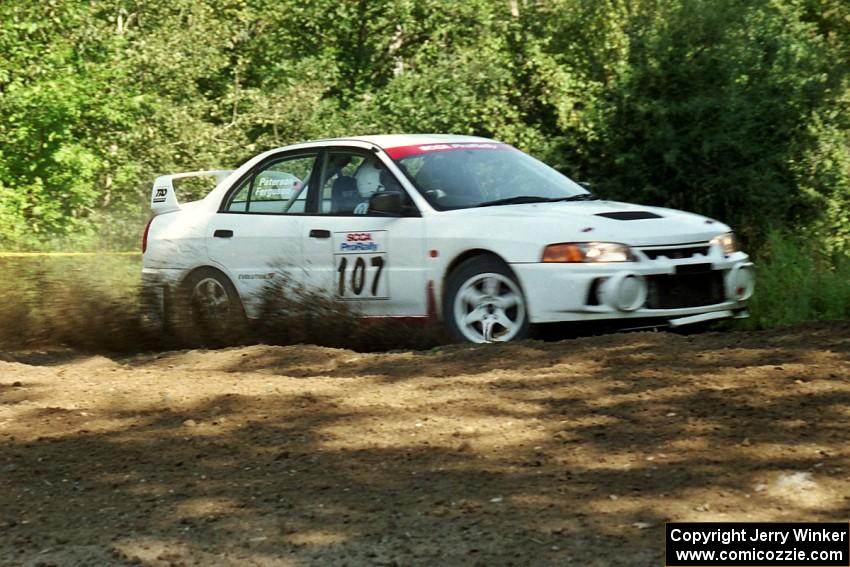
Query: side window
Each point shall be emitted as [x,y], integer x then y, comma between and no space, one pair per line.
[349,179]
[238,202]
[340,193]
[278,187]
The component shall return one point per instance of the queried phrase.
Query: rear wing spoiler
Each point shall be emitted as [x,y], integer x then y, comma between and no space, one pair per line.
[163,198]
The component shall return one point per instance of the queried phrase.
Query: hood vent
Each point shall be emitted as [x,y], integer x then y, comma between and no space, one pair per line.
[630,215]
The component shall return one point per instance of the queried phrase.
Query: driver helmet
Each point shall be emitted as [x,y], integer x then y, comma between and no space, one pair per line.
[368,177]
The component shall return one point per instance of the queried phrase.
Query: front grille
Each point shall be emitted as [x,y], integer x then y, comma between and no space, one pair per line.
[675,253]
[687,290]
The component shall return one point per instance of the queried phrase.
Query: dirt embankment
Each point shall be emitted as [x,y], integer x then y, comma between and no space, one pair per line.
[569,453]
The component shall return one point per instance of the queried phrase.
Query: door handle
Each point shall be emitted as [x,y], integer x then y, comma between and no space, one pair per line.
[222,233]
[320,233]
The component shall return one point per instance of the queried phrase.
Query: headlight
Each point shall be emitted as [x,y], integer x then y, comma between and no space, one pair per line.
[726,242]
[572,252]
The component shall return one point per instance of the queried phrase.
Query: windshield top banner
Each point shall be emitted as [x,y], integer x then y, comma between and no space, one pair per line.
[402,152]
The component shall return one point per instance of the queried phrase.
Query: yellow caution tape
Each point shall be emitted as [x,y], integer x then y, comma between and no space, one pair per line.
[34,254]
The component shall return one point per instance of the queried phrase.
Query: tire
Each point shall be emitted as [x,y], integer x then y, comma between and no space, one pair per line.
[483,303]
[207,311]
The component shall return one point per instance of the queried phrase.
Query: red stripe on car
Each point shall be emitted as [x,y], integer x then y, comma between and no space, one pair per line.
[401,152]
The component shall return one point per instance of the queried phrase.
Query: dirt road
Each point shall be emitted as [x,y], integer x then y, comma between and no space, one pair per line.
[568,453]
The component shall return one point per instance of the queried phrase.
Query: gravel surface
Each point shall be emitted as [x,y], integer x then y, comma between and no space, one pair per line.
[560,453]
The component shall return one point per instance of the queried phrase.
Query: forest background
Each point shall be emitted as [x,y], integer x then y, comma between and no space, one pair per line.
[737,109]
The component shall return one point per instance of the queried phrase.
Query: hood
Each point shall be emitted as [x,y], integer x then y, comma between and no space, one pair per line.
[603,221]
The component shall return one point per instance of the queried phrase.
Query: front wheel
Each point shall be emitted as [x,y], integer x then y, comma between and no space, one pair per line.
[484,303]
[208,310]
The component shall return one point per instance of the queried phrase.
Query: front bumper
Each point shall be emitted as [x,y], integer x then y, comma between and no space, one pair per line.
[657,288]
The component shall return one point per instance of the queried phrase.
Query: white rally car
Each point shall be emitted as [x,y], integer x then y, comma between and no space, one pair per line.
[467,230]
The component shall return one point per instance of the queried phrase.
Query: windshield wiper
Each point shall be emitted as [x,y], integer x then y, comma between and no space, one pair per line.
[519,199]
[580,197]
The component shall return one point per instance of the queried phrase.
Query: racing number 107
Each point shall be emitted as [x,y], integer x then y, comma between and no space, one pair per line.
[357,277]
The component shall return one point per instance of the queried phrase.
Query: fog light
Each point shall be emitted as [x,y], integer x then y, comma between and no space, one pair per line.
[740,283]
[624,292]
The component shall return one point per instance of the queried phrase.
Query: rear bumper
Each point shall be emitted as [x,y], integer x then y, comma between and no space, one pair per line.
[155,293]
[576,292]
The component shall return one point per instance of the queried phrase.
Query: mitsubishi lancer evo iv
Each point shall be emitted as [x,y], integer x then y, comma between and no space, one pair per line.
[464,230]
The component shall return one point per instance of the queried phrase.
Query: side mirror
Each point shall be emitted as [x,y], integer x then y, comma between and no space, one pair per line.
[386,202]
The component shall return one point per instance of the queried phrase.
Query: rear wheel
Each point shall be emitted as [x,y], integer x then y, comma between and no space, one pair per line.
[208,311]
[484,303]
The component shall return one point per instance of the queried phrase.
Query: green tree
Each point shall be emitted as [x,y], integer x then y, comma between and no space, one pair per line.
[734,109]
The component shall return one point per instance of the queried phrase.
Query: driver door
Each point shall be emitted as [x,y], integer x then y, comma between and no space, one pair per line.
[372,261]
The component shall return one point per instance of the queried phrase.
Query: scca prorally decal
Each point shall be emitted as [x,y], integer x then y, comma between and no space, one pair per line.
[358,242]
[160,194]
[407,151]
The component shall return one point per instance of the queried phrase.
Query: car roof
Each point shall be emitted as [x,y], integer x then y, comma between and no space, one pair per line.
[387,141]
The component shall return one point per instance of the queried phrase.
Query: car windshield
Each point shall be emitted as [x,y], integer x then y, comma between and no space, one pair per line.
[463,175]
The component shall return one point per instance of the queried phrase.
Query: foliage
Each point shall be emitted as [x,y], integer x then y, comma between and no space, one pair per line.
[798,280]
[738,110]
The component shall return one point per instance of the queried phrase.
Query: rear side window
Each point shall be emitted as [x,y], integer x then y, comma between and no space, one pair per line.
[278,187]
[239,199]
